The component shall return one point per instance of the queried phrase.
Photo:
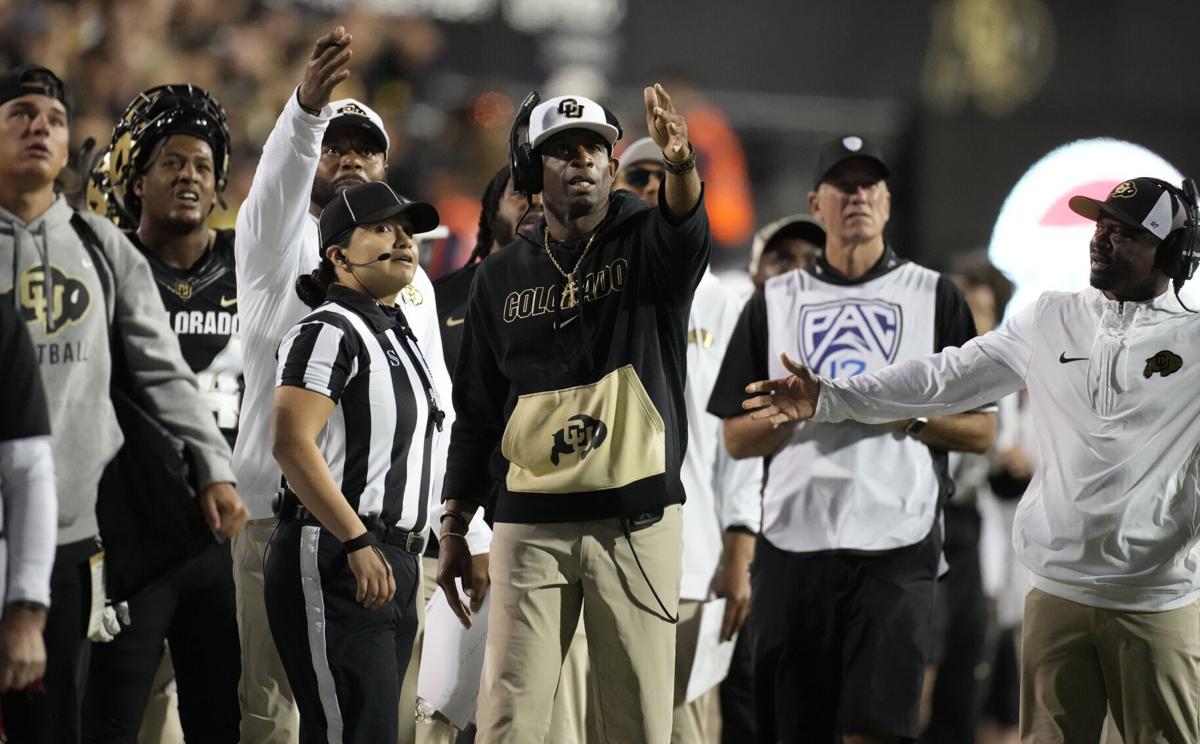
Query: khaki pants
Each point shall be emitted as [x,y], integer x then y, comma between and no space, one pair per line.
[543,577]
[269,714]
[690,720]
[1077,662]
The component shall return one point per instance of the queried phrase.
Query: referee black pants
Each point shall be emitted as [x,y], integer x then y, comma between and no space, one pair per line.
[194,612]
[344,662]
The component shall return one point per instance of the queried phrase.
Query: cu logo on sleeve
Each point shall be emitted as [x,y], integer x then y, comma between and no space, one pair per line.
[582,434]
[849,337]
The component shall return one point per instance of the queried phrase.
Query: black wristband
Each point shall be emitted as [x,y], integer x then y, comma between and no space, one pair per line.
[306,109]
[741,529]
[456,515]
[365,540]
[28,604]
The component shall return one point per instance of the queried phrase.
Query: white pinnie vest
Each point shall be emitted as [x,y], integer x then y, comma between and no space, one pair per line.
[850,486]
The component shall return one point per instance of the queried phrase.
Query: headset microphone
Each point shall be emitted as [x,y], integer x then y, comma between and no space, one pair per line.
[377,259]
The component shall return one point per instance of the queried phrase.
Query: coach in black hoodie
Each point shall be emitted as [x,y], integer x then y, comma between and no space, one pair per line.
[571,371]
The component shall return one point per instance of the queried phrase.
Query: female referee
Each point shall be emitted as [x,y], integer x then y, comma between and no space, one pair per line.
[355,419]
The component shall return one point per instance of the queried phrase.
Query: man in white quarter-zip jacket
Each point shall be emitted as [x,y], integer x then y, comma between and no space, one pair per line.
[317,149]
[1109,527]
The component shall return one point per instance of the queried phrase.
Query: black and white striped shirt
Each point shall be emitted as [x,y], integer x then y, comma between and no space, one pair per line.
[379,440]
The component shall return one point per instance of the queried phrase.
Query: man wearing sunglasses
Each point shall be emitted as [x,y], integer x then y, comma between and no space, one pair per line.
[722,515]
[642,170]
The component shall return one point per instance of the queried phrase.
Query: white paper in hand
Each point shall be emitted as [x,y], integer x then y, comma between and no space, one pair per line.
[452,659]
[710,665]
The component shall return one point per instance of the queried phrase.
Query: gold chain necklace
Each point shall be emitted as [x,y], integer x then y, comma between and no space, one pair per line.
[570,291]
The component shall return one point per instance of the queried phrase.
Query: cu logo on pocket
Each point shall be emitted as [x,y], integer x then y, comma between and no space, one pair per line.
[582,434]
[570,108]
[849,337]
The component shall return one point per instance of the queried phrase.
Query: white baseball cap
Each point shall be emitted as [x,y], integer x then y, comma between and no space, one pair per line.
[639,151]
[350,112]
[571,112]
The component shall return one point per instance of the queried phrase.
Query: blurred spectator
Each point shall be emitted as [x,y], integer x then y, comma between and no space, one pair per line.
[788,243]
[954,687]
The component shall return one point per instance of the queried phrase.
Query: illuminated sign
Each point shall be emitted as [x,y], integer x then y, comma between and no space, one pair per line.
[1039,242]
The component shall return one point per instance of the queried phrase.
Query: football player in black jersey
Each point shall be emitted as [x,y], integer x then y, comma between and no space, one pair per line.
[160,179]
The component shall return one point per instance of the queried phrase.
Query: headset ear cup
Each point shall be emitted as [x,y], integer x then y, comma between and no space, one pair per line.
[1167,257]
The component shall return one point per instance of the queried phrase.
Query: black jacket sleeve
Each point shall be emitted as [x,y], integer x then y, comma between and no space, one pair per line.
[25,412]
[677,251]
[745,360]
[480,393]
[954,325]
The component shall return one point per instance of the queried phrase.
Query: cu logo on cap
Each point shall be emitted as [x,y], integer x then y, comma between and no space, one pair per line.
[351,108]
[570,108]
[1124,190]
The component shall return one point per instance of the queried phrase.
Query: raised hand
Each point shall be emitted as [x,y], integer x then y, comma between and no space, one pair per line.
[325,69]
[666,125]
[786,399]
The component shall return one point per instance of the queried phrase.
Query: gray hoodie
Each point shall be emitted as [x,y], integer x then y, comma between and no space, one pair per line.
[46,259]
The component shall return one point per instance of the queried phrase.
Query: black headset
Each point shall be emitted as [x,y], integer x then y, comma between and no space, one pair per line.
[1178,255]
[524,164]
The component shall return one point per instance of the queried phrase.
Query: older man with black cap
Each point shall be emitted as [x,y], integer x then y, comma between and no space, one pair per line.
[849,552]
[570,388]
[1108,526]
[317,150]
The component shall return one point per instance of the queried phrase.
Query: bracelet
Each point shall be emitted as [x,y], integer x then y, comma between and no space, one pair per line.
[915,426]
[456,515]
[365,540]
[306,109]
[452,534]
[687,166]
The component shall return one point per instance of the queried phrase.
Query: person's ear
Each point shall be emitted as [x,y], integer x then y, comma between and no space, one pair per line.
[812,203]
[139,186]
[335,254]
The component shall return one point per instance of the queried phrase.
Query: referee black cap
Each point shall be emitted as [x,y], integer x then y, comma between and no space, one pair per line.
[838,151]
[27,80]
[368,203]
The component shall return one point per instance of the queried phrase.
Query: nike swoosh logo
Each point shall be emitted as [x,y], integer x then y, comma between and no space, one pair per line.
[228,301]
[1064,359]
[452,321]
[559,326]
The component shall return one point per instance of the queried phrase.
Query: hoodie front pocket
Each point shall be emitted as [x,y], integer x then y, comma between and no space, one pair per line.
[589,438]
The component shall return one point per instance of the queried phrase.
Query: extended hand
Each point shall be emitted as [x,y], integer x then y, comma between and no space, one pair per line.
[666,125]
[732,581]
[22,650]
[787,399]
[223,509]
[325,69]
[456,562]
[376,583]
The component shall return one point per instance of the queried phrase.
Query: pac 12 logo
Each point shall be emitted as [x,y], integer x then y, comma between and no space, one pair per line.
[848,337]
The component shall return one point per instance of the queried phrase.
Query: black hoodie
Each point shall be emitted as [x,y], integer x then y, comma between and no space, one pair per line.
[579,412]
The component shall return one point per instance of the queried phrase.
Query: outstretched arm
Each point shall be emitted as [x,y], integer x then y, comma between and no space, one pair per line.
[668,128]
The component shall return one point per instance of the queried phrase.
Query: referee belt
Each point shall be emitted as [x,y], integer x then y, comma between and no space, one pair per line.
[290,509]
